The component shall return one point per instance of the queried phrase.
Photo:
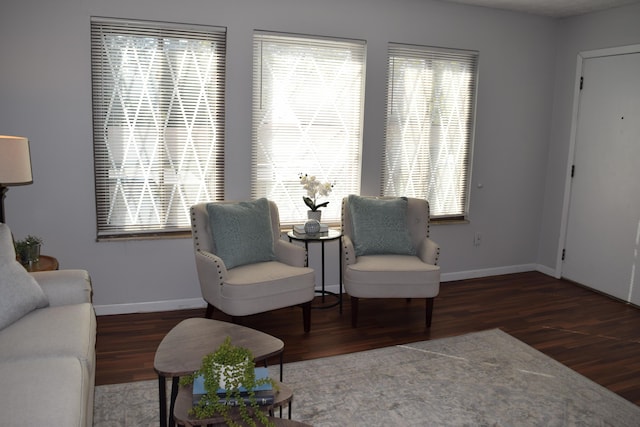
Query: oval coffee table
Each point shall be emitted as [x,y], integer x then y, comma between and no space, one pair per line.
[181,351]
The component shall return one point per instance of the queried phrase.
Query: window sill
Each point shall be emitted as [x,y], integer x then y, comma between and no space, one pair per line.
[449,221]
[149,236]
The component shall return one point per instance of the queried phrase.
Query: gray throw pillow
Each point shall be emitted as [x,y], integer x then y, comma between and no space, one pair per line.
[380,226]
[20,294]
[242,232]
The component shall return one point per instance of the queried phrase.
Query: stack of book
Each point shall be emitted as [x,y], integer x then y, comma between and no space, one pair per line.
[264,393]
[299,228]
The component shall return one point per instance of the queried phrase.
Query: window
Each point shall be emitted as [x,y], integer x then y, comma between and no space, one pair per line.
[429,129]
[308,95]
[158,123]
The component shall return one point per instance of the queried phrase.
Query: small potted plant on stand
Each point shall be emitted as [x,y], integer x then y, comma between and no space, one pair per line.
[28,250]
[230,368]
[315,189]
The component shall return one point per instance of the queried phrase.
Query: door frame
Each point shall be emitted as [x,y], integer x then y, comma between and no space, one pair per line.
[582,56]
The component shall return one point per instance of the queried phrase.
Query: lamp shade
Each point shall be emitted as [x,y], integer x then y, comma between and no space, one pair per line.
[15,161]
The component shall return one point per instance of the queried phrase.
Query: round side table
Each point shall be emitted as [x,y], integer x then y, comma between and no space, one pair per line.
[45,263]
[322,237]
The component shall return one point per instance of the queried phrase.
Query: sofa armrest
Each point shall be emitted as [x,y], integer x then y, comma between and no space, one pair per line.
[290,253]
[429,251]
[65,287]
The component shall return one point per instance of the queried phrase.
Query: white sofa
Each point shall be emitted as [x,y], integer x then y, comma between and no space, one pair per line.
[47,344]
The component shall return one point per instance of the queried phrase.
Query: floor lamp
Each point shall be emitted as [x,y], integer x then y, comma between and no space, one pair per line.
[15,165]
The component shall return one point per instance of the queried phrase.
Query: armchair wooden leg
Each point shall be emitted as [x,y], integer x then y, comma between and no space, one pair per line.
[209,313]
[354,312]
[429,311]
[306,316]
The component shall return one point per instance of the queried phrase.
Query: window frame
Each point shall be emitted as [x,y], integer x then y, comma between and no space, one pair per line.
[429,55]
[282,184]
[168,149]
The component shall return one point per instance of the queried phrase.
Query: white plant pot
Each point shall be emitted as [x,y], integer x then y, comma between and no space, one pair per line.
[228,372]
[314,215]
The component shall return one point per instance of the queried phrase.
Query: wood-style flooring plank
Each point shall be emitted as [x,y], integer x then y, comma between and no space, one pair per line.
[595,335]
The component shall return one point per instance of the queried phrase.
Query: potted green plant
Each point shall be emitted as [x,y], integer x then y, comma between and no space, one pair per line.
[229,368]
[315,189]
[28,250]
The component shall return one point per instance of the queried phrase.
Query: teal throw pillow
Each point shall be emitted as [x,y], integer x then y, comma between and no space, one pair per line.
[242,232]
[380,226]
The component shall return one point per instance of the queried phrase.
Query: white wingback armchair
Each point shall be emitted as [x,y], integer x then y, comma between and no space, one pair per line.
[378,264]
[282,281]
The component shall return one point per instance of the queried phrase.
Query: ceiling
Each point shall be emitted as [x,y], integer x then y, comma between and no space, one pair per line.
[553,8]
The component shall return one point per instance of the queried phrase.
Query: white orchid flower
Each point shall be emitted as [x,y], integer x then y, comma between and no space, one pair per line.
[314,189]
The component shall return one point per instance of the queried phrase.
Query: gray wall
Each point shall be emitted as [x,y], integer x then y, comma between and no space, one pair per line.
[45,95]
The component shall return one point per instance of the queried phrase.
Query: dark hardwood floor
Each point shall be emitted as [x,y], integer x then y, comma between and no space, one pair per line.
[595,335]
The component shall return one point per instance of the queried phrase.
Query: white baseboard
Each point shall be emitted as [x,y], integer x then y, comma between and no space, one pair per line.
[182,304]
[150,307]
[486,272]
[548,271]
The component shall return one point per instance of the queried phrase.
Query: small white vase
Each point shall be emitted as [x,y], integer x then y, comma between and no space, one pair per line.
[228,373]
[314,215]
[312,226]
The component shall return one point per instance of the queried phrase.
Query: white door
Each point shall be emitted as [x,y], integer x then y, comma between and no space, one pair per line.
[603,225]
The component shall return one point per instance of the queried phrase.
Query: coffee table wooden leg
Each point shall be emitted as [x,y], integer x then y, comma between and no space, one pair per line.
[174,395]
[162,392]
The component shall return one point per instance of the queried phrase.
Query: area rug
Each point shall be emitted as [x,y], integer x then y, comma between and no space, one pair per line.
[480,379]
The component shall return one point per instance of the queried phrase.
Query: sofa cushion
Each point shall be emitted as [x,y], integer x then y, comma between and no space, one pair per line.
[392,276]
[380,226]
[262,280]
[260,287]
[19,292]
[44,392]
[242,232]
[52,331]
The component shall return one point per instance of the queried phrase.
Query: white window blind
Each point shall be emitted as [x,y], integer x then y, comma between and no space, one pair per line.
[308,95]
[429,127]
[158,123]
